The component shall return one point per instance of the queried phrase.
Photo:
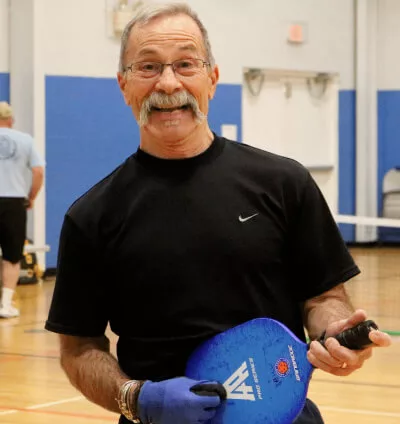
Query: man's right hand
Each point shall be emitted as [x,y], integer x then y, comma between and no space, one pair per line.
[28,203]
[172,401]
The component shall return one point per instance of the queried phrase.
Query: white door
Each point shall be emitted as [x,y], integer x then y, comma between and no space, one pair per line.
[291,115]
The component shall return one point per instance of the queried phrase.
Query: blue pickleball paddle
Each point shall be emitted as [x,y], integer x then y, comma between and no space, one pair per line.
[264,369]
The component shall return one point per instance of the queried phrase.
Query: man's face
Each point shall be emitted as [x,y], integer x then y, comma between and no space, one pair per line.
[166,40]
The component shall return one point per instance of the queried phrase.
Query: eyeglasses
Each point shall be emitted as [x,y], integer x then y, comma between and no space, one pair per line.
[183,67]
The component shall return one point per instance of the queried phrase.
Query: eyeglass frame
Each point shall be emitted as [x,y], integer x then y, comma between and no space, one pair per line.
[163,65]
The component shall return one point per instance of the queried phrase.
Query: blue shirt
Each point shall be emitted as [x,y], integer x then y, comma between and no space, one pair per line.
[17,157]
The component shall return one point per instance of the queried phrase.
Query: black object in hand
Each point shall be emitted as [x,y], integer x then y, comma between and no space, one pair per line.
[210,389]
[357,337]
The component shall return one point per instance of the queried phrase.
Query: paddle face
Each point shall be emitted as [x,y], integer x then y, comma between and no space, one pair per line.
[264,369]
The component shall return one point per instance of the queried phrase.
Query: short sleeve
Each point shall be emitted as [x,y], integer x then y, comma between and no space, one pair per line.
[79,305]
[317,250]
[34,157]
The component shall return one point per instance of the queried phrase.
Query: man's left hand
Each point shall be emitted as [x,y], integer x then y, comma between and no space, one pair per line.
[339,360]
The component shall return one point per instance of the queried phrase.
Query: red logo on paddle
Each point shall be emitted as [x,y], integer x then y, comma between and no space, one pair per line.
[282,367]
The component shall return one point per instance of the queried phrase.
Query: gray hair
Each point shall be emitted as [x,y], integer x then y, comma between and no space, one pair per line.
[152,11]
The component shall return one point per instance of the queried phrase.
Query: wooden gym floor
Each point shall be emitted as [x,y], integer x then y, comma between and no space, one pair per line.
[34,390]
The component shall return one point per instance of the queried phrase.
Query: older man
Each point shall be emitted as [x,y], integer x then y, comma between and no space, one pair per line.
[21,177]
[197,234]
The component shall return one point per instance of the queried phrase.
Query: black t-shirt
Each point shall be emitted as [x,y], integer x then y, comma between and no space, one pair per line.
[172,251]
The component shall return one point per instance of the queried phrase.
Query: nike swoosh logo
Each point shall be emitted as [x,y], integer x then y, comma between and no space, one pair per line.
[247,218]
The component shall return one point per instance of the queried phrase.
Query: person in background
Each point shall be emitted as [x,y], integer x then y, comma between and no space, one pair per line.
[192,235]
[21,177]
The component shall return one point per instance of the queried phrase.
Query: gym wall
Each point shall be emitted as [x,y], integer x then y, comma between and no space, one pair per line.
[90,131]
[4,65]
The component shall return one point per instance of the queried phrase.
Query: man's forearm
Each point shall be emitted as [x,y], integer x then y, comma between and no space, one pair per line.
[37,182]
[93,371]
[331,306]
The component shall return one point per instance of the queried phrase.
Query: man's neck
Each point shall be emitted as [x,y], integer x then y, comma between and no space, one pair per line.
[193,145]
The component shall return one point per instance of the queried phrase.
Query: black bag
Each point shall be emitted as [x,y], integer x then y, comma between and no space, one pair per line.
[30,272]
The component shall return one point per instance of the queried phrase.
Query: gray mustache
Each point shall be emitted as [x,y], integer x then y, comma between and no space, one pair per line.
[162,100]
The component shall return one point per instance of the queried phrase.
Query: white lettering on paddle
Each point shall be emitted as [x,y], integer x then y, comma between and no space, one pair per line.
[235,385]
[295,367]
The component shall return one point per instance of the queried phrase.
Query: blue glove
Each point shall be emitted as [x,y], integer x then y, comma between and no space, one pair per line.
[172,401]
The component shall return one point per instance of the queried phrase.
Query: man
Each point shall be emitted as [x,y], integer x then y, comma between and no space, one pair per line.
[196,234]
[21,177]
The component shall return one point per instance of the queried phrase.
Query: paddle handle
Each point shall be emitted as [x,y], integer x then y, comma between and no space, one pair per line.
[357,337]
[210,389]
